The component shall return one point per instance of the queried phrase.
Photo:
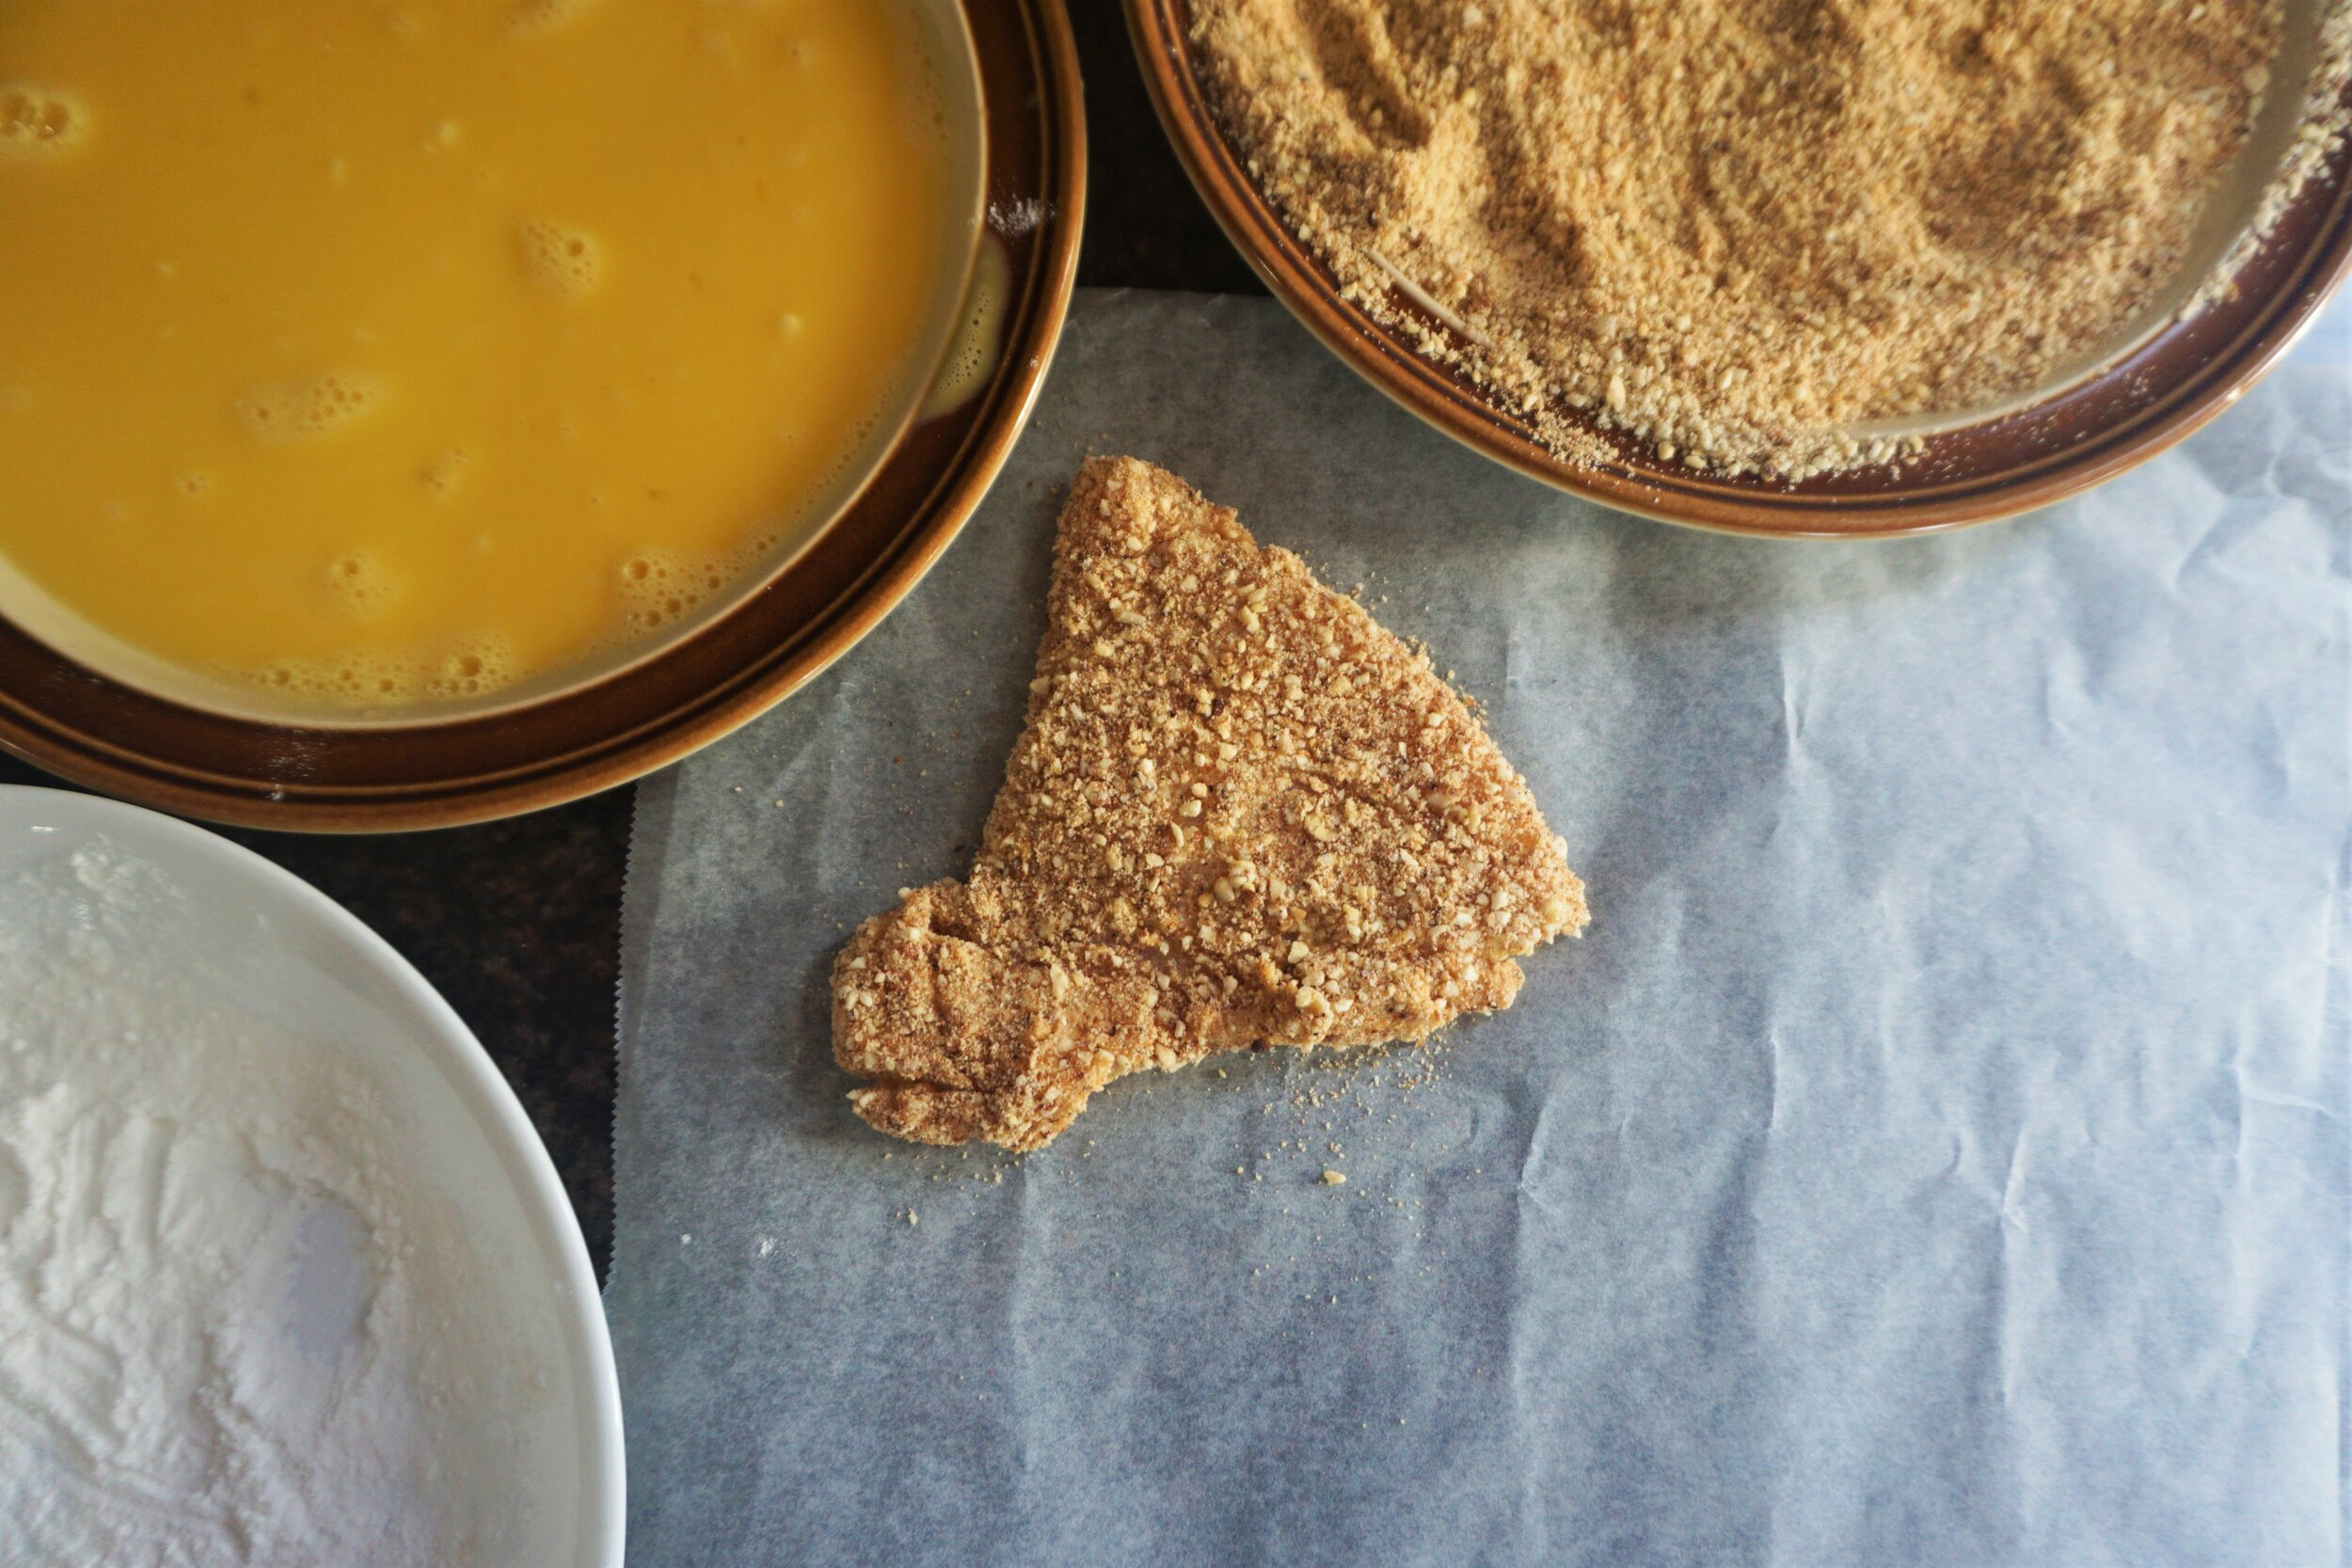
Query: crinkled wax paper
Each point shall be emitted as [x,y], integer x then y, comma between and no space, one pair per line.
[1934,1153]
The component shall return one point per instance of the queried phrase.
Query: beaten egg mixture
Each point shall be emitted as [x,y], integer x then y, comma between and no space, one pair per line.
[357,356]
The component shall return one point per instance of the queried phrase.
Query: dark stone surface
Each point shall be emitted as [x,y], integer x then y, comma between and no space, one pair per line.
[517,923]
[1146,228]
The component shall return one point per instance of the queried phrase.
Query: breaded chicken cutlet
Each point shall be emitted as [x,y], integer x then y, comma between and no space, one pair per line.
[1239,813]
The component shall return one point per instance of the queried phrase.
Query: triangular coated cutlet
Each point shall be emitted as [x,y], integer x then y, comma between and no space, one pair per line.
[1239,813]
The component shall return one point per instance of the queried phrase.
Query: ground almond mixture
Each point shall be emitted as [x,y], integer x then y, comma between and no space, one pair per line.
[1732,226]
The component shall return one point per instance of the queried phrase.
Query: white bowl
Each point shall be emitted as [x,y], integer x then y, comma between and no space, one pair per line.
[306,968]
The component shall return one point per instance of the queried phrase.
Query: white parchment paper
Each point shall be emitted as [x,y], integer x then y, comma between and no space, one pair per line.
[1935,1153]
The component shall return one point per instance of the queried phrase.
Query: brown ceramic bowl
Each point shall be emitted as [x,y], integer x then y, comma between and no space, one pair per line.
[2130,408]
[99,732]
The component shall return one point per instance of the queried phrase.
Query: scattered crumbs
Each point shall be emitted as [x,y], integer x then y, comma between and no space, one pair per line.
[685,1239]
[1334,1178]
[767,1245]
[909,1216]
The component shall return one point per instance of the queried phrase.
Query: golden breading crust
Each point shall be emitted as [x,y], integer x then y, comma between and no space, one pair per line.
[1240,812]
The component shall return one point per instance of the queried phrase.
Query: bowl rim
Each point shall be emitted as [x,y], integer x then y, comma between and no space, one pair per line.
[2295,281]
[81,726]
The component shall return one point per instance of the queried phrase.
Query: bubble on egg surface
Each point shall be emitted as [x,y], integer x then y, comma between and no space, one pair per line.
[39,122]
[368,678]
[655,588]
[546,16]
[444,472]
[306,407]
[562,261]
[360,583]
[972,355]
[659,588]
[472,670]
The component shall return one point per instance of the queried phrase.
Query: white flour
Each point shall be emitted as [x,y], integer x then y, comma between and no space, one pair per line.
[227,1329]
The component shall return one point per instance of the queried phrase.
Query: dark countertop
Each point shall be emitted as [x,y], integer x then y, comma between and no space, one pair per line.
[517,923]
